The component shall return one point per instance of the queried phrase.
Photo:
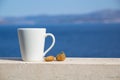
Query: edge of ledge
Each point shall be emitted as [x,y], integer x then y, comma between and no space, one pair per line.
[69,60]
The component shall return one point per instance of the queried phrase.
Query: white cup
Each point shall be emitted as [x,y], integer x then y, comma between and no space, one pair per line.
[32,42]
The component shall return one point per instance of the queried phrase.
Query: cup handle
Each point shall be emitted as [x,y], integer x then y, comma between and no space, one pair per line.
[53,42]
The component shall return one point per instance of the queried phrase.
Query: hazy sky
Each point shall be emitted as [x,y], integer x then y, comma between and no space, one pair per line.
[54,7]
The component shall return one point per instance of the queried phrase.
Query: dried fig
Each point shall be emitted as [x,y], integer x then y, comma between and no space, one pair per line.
[61,56]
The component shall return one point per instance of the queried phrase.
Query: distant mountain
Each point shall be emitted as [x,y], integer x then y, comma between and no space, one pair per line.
[103,16]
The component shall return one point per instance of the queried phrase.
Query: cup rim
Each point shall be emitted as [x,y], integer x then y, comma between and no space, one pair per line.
[31,29]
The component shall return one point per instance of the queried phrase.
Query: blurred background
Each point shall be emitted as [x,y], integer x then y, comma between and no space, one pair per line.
[83,28]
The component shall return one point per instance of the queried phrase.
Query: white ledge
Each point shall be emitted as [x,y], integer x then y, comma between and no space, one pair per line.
[104,61]
[70,69]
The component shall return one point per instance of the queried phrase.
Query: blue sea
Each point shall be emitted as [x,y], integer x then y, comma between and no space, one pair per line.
[76,40]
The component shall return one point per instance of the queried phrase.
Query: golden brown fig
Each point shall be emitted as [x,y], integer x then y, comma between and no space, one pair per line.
[61,56]
[49,58]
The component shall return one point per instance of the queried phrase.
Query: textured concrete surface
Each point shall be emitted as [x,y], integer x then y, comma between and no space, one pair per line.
[70,69]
